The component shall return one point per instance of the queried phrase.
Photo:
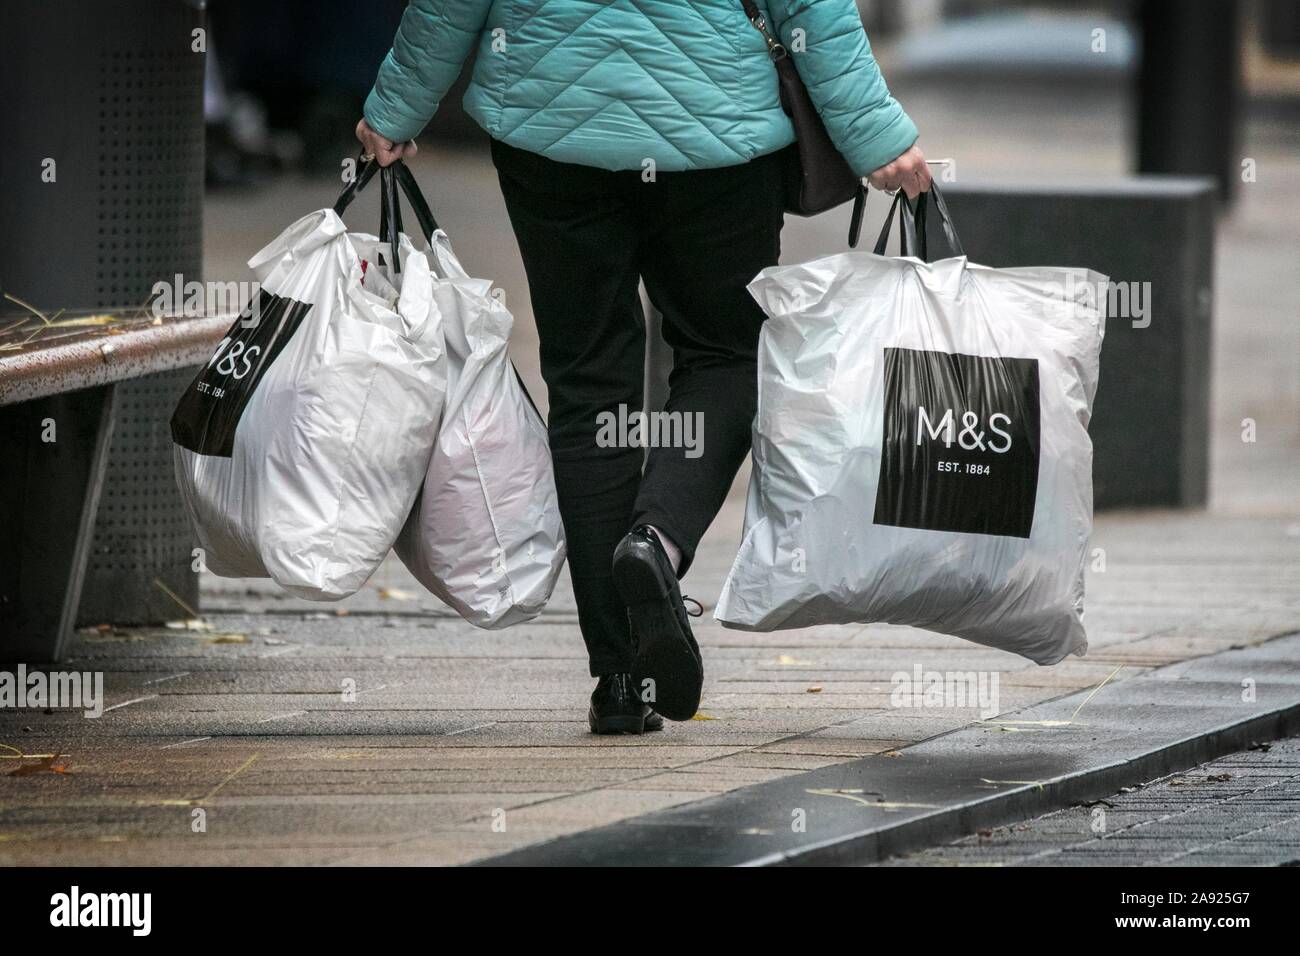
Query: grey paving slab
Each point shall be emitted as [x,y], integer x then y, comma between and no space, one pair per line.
[198,703]
[863,810]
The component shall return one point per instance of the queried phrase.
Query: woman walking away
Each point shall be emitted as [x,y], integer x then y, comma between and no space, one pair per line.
[642,142]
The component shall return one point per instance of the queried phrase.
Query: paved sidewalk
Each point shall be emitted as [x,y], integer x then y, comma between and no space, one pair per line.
[456,733]
[462,744]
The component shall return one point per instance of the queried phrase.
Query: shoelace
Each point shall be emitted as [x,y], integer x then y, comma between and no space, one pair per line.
[689,612]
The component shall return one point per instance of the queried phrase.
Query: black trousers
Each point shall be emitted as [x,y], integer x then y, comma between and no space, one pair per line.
[587,236]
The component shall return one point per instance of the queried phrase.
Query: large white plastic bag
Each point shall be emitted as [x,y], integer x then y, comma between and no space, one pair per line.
[815,548]
[301,446]
[485,535]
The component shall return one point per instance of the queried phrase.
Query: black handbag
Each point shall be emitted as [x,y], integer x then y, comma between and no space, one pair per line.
[817,177]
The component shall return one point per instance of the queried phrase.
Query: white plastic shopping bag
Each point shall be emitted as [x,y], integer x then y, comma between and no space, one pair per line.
[300,447]
[921,453]
[485,535]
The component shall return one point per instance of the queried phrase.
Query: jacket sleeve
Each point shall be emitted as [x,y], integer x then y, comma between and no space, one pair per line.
[432,43]
[835,63]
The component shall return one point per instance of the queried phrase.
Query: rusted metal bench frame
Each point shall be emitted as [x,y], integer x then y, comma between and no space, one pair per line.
[49,491]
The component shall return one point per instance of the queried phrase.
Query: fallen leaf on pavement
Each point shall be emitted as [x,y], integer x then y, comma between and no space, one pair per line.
[189,624]
[785,660]
[50,764]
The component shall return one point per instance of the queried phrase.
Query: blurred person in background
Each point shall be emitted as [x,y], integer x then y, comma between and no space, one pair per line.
[642,142]
[272,105]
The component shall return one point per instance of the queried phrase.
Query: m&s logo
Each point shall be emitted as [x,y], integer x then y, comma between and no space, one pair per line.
[969,436]
[225,361]
[207,415]
[959,443]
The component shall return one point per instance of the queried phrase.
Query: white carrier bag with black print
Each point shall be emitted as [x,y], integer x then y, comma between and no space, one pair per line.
[485,534]
[300,447]
[921,451]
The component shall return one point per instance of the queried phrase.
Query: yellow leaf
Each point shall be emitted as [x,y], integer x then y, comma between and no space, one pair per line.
[189,624]
[785,660]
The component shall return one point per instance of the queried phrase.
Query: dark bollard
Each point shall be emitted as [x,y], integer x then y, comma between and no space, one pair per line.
[1154,237]
[1189,90]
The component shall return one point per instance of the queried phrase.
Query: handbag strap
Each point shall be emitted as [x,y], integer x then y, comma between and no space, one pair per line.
[856,217]
[775,49]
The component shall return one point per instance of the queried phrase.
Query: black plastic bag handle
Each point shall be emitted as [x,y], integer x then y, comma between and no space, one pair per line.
[906,228]
[390,215]
[364,175]
[913,236]
[935,197]
[390,212]
[415,199]
[429,225]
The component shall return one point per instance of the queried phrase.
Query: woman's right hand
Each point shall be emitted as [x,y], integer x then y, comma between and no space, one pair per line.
[908,172]
[382,148]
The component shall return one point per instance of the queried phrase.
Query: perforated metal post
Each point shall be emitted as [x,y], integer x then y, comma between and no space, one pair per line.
[102,172]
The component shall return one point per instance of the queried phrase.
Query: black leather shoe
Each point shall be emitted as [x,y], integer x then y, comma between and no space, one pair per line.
[666,652]
[616,708]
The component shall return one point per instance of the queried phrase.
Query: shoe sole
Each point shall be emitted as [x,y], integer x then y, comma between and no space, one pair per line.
[618,725]
[664,653]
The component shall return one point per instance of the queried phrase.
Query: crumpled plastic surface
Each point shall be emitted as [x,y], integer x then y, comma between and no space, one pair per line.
[485,535]
[301,446]
[921,454]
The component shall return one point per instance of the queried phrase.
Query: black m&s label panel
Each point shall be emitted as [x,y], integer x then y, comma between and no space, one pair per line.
[208,413]
[960,443]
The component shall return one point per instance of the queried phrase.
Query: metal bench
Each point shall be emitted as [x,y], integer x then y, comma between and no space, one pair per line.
[58,385]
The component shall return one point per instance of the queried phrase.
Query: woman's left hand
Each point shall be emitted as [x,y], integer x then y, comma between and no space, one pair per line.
[908,172]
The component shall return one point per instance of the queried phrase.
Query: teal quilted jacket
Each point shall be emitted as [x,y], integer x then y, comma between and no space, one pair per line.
[612,83]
